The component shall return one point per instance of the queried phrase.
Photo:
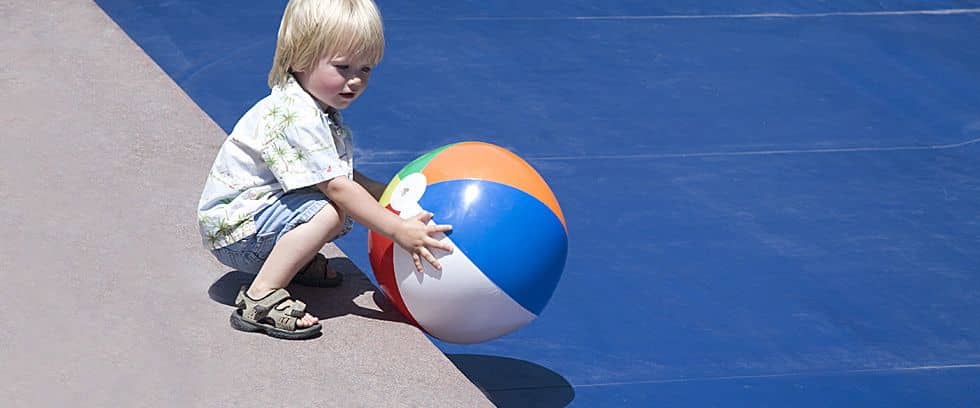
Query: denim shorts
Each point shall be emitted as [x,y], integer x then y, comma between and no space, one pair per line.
[272,222]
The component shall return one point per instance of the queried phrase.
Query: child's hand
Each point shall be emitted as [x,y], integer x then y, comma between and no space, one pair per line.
[414,235]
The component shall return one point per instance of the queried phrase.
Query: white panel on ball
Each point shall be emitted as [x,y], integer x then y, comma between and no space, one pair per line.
[458,304]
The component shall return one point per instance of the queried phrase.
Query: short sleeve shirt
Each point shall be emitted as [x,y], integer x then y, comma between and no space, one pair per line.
[285,142]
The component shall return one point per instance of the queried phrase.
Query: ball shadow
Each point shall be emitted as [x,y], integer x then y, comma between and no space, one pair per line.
[510,382]
[356,295]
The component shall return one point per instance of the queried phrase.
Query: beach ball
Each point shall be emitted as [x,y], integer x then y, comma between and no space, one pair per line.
[509,236]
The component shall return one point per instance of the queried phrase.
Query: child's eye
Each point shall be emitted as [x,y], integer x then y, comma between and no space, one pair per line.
[366,69]
[341,66]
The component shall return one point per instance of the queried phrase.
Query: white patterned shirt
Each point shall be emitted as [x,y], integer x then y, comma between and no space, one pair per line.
[285,142]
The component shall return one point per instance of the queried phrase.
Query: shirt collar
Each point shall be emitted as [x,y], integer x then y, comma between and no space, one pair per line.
[292,89]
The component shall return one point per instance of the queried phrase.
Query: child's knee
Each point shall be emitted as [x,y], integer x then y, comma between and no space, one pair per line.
[330,218]
[338,226]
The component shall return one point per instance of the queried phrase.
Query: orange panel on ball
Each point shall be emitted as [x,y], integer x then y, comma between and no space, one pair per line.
[483,161]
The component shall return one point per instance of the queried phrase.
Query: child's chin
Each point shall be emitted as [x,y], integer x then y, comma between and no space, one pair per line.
[343,103]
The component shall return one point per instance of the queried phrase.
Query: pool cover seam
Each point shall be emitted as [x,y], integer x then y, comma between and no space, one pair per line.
[793,374]
[768,15]
[725,154]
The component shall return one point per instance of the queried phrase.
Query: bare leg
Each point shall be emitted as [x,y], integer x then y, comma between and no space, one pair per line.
[293,251]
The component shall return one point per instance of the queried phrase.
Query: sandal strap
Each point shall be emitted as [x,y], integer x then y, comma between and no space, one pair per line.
[297,309]
[240,299]
[273,298]
[286,318]
[276,297]
[255,310]
[283,320]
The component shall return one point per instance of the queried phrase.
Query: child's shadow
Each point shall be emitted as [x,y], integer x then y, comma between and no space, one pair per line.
[356,295]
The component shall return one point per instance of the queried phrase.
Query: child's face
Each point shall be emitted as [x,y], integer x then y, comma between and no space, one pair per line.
[336,81]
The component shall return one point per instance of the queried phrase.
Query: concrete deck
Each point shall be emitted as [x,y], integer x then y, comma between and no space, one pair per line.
[109,298]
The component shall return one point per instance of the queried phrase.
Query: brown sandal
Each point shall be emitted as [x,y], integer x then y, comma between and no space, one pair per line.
[275,314]
[315,274]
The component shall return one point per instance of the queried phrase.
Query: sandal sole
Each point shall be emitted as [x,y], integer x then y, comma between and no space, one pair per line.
[239,323]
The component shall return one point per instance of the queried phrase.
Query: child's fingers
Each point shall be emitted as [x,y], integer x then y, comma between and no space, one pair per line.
[434,243]
[439,228]
[418,263]
[424,253]
[424,217]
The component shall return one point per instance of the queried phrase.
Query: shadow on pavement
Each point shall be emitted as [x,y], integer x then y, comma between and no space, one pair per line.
[356,295]
[510,382]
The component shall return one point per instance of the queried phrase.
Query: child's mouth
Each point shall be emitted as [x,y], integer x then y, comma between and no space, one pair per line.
[348,95]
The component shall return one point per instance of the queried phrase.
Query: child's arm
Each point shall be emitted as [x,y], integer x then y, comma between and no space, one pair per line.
[411,234]
[375,188]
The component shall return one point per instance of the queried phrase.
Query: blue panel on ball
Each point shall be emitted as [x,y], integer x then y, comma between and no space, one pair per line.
[516,240]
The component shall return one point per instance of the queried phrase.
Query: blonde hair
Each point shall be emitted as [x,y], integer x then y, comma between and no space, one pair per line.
[313,29]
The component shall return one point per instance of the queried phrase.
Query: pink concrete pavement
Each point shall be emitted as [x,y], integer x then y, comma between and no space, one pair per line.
[108,298]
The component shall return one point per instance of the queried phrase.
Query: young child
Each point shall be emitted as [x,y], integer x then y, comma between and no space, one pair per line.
[283,183]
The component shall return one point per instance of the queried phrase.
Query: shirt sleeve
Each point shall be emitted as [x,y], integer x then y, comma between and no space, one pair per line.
[303,153]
